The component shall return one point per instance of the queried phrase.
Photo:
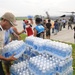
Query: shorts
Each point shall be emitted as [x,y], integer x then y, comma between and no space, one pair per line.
[48,33]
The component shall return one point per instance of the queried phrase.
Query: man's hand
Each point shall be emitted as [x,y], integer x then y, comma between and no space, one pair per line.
[11,58]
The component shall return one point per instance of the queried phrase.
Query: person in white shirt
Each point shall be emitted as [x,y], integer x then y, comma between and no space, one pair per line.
[64,23]
[7,21]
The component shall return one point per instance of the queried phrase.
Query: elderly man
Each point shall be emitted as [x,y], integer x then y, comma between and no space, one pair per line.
[7,21]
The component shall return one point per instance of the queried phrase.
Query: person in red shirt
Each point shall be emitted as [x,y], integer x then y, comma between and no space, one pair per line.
[28,28]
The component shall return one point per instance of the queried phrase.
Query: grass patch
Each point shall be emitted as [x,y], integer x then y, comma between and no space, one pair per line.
[23,36]
[73,55]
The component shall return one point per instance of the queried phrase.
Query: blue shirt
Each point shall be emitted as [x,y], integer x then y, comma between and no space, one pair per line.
[39,28]
[40,31]
[56,25]
[7,36]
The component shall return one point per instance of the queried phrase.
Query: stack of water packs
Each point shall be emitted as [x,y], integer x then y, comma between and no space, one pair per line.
[40,57]
[55,57]
[15,47]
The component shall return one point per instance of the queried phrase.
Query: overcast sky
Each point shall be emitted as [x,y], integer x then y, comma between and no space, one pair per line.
[33,7]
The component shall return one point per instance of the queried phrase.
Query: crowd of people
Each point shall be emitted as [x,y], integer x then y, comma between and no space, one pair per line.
[47,27]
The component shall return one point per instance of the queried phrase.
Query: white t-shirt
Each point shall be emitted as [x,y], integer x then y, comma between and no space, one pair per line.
[1,39]
[64,21]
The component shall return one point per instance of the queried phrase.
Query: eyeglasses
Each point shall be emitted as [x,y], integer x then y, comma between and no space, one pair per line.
[1,18]
[6,20]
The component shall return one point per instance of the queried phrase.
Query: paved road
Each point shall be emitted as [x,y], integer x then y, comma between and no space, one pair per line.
[64,35]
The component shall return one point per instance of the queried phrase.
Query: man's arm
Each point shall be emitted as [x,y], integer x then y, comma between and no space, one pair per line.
[11,58]
[16,36]
[16,31]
